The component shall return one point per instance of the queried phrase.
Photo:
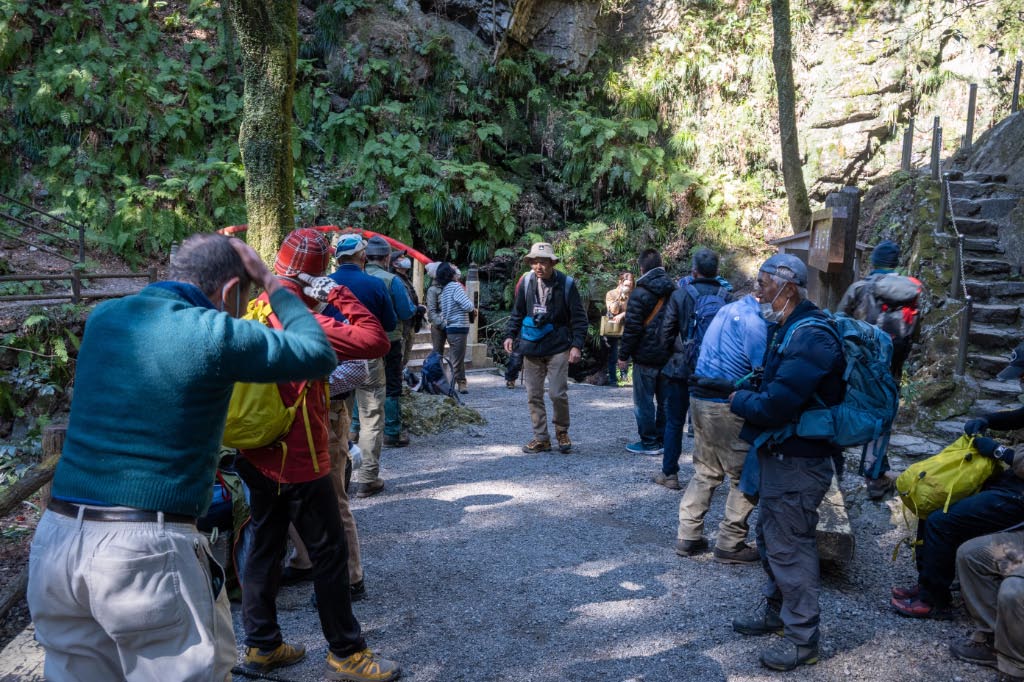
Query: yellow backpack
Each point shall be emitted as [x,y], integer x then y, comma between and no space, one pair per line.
[257,417]
[957,472]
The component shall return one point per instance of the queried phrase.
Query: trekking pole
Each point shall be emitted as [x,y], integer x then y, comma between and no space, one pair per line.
[965,329]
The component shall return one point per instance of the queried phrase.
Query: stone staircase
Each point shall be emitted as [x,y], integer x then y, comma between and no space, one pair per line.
[421,347]
[982,206]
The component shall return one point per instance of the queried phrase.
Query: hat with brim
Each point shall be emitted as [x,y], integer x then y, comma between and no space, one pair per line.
[541,250]
[788,267]
[1016,367]
[402,262]
[349,245]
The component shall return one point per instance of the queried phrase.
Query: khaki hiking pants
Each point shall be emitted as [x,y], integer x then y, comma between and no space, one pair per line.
[337,445]
[554,368]
[991,570]
[128,601]
[370,398]
[717,452]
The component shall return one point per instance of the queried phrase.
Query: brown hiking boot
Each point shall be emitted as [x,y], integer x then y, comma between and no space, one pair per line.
[670,481]
[262,661]
[399,441]
[564,444]
[371,488]
[744,555]
[537,445]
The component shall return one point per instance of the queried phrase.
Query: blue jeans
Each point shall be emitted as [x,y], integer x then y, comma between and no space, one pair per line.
[612,344]
[649,403]
[992,510]
[677,403]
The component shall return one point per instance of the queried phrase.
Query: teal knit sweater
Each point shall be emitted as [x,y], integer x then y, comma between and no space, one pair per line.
[152,387]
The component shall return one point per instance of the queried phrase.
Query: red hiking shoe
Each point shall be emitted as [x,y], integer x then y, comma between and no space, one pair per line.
[906,593]
[918,608]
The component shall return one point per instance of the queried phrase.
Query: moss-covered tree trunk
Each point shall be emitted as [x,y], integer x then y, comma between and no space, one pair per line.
[268,37]
[792,170]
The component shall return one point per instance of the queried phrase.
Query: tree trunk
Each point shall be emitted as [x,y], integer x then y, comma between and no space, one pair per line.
[268,37]
[792,171]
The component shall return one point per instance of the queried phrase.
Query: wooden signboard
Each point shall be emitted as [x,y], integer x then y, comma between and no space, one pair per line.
[827,243]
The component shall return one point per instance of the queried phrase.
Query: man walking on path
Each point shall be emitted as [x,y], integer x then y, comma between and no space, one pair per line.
[121,584]
[732,348]
[688,314]
[550,321]
[642,343]
[289,483]
[378,254]
[350,253]
[803,360]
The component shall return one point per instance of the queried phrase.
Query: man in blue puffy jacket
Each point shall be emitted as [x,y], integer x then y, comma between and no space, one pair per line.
[795,472]
[732,347]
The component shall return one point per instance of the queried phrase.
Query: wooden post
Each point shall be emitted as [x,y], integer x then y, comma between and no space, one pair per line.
[473,289]
[417,278]
[943,199]
[908,146]
[956,283]
[53,445]
[936,148]
[152,274]
[972,102]
[845,205]
[1015,102]
[76,285]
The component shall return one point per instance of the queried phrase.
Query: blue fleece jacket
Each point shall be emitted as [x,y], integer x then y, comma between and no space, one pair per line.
[152,385]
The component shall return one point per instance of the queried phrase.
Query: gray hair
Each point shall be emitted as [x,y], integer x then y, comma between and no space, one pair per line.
[209,262]
[781,281]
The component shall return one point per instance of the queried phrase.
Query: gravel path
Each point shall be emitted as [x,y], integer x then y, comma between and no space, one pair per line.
[483,563]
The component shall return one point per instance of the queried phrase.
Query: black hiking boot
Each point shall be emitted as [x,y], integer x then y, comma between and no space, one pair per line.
[785,655]
[764,621]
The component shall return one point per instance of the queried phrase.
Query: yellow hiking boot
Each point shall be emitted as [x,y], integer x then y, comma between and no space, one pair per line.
[263,661]
[362,666]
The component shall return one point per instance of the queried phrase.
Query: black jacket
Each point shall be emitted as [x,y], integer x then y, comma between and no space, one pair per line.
[640,342]
[812,363]
[678,316]
[570,321]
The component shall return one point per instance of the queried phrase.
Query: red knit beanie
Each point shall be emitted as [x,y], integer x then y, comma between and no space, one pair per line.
[304,250]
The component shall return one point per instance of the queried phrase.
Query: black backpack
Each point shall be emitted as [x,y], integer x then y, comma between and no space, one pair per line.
[705,307]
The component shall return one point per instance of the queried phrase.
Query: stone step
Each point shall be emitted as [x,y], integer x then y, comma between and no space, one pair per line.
[983,290]
[986,364]
[415,364]
[998,313]
[995,337]
[977,177]
[420,350]
[1000,390]
[991,208]
[966,189]
[986,266]
[977,227]
[983,245]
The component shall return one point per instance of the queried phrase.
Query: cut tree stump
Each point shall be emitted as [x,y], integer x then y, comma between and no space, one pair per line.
[835,536]
[22,659]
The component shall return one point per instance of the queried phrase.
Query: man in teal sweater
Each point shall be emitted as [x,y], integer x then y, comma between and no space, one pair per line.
[121,584]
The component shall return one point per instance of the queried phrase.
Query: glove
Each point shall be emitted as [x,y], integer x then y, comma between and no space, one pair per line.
[316,287]
[975,426]
[714,384]
[986,446]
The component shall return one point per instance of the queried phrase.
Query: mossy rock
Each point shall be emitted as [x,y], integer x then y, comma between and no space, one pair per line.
[423,414]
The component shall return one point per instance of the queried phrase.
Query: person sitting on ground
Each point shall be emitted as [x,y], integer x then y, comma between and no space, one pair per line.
[795,472]
[687,316]
[998,506]
[733,346]
[455,309]
[615,308]
[121,585]
[289,483]
[549,322]
[991,570]
[642,344]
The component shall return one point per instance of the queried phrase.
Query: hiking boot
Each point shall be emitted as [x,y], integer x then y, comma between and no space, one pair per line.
[370,489]
[564,444]
[670,481]
[639,448]
[906,593]
[918,608]
[399,441]
[744,555]
[764,621]
[261,661]
[357,591]
[510,384]
[785,655]
[691,547]
[294,576]
[878,487]
[973,651]
[463,387]
[537,445]
[362,666]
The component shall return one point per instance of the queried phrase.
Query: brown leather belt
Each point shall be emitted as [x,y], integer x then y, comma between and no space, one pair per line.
[126,515]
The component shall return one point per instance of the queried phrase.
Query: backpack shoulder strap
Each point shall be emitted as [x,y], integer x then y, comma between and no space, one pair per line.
[569,281]
[813,321]
[654,313]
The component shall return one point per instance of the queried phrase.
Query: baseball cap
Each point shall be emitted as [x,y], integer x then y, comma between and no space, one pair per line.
[1016,367]
[304,250]
[792,268]
[349,244]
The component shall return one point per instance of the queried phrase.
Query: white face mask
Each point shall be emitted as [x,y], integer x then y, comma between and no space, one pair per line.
[768,313]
